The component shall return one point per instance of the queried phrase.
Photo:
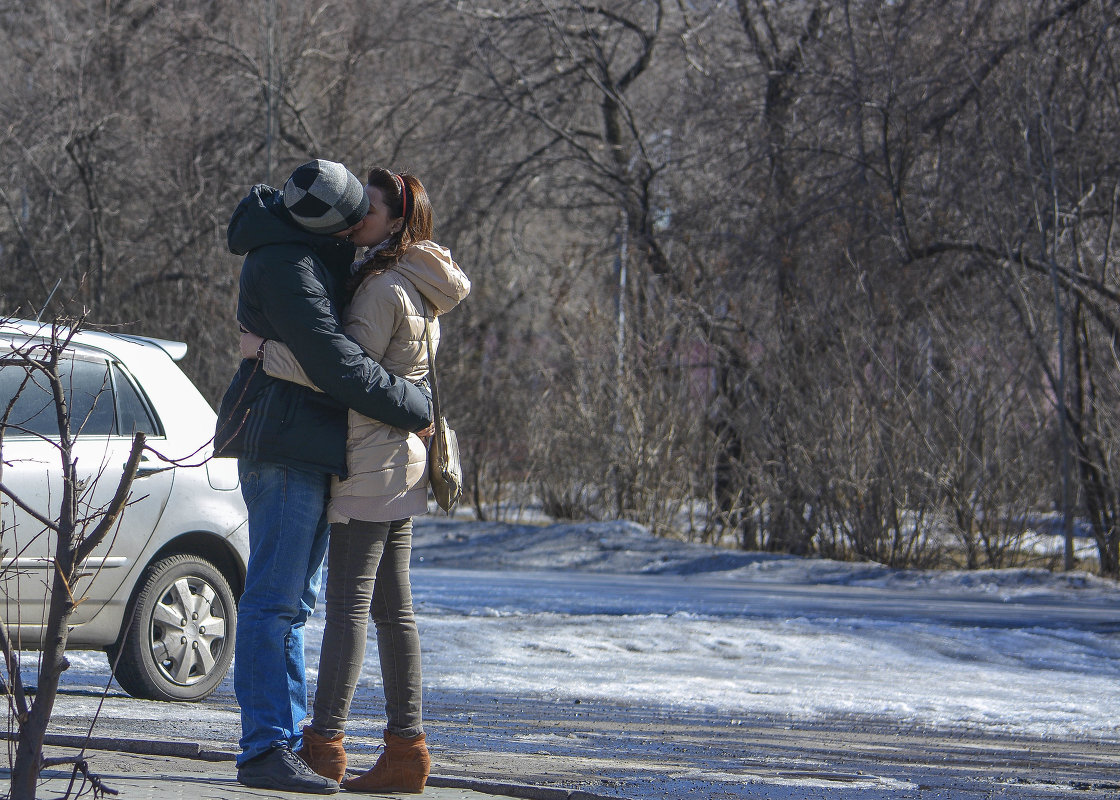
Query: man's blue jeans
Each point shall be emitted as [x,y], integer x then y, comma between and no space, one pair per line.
[287,542]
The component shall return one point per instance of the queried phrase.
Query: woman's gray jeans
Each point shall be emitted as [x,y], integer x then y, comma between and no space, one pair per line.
[367,575]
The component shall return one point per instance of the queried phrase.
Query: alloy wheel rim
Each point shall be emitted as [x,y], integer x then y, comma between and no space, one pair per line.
[187,631]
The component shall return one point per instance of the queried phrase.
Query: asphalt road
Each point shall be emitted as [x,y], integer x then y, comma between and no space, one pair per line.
[660,753]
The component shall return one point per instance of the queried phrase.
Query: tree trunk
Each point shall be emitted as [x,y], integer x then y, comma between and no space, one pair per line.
[29,751]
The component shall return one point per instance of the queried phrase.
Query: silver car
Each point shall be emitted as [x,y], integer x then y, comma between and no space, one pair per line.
[159,594]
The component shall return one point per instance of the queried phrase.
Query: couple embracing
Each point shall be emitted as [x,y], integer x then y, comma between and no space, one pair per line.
[328,415]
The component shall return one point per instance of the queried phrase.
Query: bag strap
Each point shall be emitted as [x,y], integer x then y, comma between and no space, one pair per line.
[431,367]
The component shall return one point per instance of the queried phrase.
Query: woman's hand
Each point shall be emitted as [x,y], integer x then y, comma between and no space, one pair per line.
[250,345]
[426,434]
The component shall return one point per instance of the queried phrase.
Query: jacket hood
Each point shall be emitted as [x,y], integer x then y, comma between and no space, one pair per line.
[260,219]
[435,274]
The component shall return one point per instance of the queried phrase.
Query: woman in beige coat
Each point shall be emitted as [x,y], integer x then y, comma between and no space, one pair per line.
[401,286]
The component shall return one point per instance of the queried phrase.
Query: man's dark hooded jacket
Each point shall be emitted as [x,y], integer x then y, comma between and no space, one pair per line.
[291,290]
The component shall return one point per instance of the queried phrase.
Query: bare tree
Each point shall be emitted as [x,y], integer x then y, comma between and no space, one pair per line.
[823,276]
[75,533]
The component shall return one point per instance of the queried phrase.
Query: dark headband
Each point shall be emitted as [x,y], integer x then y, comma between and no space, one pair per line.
[404,197]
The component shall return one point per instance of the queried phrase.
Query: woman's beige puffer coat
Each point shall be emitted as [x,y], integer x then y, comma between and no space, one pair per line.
[388,466]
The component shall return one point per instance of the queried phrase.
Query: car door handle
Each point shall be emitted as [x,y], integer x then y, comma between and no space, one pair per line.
[147,468]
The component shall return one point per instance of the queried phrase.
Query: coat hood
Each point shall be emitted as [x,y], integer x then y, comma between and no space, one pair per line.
[260,219]
[435,274]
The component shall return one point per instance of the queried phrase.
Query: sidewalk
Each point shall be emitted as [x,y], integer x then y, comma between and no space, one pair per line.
[167,770]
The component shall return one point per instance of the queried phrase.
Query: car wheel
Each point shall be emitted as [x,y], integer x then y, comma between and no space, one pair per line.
[178,644]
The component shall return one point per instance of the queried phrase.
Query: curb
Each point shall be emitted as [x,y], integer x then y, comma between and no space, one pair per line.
[144,747]
[520,790]
[195,751]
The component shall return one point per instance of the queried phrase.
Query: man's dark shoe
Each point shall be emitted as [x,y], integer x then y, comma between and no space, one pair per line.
[284,771]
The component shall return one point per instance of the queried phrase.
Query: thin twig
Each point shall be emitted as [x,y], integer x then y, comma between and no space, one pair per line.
[4,490]
[15,689]
[99,788]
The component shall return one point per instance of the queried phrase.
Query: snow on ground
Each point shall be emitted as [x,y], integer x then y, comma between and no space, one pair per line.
[704,638]
[626,547]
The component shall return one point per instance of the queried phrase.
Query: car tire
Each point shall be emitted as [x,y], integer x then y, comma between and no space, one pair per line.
[178,643]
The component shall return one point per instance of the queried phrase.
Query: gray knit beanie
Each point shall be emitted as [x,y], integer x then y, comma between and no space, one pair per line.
[325,197]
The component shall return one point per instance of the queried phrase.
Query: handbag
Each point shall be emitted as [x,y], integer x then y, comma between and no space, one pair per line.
[445,472]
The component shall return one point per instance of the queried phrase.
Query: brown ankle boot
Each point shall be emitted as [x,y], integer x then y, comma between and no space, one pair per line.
[402,767]
[323,755]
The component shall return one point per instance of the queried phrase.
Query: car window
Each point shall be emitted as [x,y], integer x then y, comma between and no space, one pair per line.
[33,410]
[91,399]
[89,396]
[132,411]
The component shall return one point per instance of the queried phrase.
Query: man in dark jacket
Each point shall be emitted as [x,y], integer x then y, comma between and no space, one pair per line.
[289,440]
